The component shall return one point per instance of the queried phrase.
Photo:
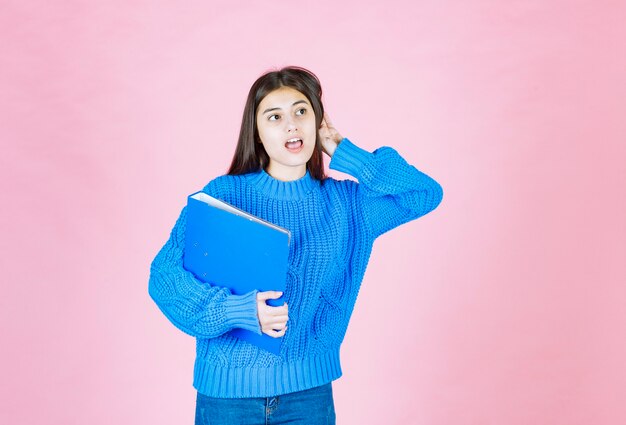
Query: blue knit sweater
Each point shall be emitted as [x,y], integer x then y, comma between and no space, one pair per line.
[333,226]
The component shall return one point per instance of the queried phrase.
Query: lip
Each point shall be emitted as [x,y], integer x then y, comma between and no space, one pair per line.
[297,150]
[294,137]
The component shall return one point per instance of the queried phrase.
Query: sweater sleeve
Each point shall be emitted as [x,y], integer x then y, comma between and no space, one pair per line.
[197,308]
[390,191]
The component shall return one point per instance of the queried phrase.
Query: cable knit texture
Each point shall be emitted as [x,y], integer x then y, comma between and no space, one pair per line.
[333,225]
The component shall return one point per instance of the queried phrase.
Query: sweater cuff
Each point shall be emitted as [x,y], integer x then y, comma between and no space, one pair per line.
[241,312]
[349,158]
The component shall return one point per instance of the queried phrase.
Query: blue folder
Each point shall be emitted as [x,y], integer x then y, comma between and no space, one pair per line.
[226,246]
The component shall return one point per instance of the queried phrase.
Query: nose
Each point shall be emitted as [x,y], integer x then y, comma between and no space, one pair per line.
[291,125]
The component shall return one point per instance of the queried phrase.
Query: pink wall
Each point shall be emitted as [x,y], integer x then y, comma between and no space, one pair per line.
[504,306]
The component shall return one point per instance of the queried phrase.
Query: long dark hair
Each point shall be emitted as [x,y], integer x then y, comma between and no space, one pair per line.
[250,155]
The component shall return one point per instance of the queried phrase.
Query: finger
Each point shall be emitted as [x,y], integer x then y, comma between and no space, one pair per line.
[277,328]
[273,330]
[269,294]
[278,311]
[277,334]
[327,120]
[276,323]
[269,318]
[281,320]
[272,333]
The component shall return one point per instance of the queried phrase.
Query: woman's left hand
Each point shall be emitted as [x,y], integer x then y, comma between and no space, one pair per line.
[329,136]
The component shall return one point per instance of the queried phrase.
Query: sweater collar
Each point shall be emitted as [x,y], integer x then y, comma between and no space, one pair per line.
[278,189]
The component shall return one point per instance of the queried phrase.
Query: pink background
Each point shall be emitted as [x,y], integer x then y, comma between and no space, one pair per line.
[503,306]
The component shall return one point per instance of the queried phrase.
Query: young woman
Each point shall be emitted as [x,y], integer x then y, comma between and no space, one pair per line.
[277,173]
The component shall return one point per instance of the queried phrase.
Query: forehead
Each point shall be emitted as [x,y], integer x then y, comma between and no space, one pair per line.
[282,97]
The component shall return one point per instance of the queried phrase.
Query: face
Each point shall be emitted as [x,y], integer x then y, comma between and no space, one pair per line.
[286,125]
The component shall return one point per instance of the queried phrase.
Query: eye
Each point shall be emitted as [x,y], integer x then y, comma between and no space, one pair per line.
[303,111]
[270,117]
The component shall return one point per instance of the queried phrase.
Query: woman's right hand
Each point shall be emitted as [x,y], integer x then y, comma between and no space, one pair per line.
[273,320]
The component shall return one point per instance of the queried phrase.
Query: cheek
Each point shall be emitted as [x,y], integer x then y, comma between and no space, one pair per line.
[265,134]
[270,142]
[311,126]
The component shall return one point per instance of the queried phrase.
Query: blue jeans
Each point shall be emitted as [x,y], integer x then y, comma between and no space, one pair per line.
[314,406]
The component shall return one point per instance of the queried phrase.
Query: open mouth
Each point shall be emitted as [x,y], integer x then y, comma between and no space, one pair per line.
[294,145]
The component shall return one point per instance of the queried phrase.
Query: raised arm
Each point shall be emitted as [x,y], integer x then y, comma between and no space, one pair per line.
[390,191]
[198,309]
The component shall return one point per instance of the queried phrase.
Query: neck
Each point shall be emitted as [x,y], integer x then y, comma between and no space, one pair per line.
[285,190]
[286,174]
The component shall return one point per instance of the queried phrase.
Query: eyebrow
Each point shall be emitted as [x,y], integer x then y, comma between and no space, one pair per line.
[294,104]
